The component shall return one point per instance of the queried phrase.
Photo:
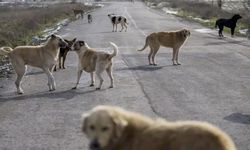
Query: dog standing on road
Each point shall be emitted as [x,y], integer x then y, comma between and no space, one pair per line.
[115,20]
[113,128]
[92,61]
[90,19]
[63,53]
[230,23]
[172,39]
[42,56]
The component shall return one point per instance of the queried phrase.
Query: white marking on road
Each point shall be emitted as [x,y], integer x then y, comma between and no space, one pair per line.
[133,22]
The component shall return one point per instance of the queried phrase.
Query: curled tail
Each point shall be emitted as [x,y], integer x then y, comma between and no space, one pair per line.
[5,50]
[115,49]
[146,44]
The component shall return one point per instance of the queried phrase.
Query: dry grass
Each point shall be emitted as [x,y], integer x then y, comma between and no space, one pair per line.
[19,24]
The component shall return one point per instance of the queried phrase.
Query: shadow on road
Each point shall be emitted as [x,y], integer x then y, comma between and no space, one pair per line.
[238,118]
[66,95]
[144,68]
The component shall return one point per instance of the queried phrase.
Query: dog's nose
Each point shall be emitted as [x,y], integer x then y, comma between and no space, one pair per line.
[94,144]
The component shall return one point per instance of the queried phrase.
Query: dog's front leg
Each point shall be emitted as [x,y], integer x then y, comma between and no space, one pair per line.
[79,73]
[51,80]
[113,27]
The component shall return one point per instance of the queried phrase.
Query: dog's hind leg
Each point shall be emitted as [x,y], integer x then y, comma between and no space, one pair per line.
[122,27]
[156,48]
[79,73]
[149,56]
[51,79]
[220,31]
[99,70]
[109,72]
[92,79]
[64,58]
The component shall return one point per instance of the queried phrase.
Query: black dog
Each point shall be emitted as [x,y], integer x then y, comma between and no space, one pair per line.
[230,23]
[89,18]
[63,53]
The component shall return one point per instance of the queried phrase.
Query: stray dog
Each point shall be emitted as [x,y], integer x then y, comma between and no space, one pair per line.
[172,39]
[115,20]
[113,128]
[42,56]
[230,23]
[92,61]
[89,18]
[78,12]
[63,53]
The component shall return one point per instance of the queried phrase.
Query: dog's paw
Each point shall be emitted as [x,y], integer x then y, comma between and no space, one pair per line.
[73,88]
[91,85]
[111,86]
[154,64]
[20,92]
[98,88]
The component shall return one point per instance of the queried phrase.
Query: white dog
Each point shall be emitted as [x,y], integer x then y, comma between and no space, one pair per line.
[42,56]
[115,19]
[92,61]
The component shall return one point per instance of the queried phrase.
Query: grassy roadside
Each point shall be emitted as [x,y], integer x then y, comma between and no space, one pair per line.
[206,14]
[19,23]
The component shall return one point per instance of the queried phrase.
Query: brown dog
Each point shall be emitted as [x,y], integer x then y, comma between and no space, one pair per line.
[63,53]
[92,61]
[113,128]
[173,39]
[42,56]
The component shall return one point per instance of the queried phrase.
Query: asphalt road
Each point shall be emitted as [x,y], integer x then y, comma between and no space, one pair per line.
[212,84]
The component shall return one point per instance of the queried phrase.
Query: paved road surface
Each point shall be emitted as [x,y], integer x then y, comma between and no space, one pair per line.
[212,84]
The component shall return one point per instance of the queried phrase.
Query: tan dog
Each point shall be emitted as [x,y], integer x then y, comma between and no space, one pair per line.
[113,128]
[92,61]
[42,56]
[173,39]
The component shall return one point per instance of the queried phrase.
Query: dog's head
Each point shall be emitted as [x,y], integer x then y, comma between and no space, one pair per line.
[56,39]
[70,43]
[110,15]
[103,127]
[185,33]
[78,45]
[236,17]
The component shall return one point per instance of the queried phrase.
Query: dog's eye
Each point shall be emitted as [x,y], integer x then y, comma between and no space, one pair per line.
[92,127]
[104,129]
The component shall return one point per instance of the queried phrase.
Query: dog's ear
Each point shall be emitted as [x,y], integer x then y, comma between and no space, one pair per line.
[74,40]
[84,121]
[119,125]
[66,40]
[53,36]
[82,43]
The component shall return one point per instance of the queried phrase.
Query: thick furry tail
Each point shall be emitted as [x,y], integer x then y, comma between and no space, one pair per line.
[146,44]
[5,50]
[115,49]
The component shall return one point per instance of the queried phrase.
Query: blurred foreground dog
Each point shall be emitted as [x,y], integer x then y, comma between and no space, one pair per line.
[42,56]
[116,19]
[113,128]
[230,23]
[92,61]
[172,39]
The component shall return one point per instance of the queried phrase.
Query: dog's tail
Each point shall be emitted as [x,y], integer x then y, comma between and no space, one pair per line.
[5,50]
[146,44]
[115,49]
[216,24]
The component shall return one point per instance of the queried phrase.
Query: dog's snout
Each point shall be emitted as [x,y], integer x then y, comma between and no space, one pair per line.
[94,145]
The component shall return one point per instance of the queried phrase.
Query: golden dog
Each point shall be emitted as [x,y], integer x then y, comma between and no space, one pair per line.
[42,56]
[113,128]
[92,61]
[173,39]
